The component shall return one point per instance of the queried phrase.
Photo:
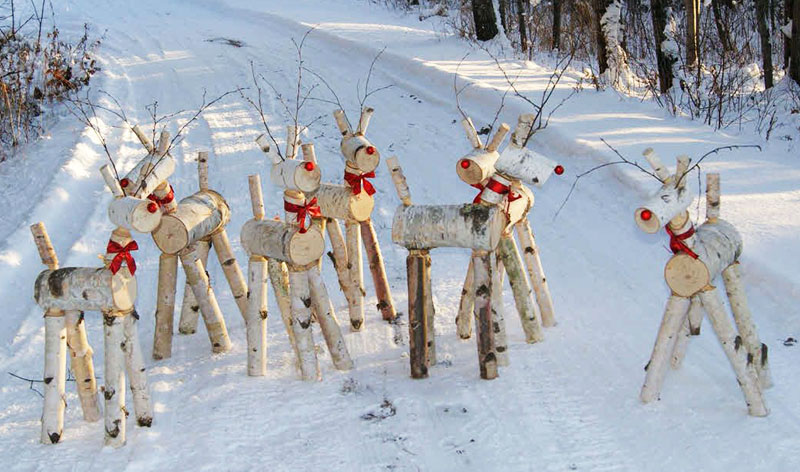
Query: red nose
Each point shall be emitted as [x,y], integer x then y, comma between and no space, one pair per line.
[464,164]
[309,166]
[152,207]
[646,215]
[370,150]
[559,169]
[124,182]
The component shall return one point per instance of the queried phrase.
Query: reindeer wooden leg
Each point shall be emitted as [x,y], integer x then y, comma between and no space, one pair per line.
[165,305]
[498,314]
[378,271]
[82,364]
[689,328]
[739,358]
[674,315]
[55,376]
[137,374]
[279,276]
[114,373]
[418,271]
[256,322]
[464,316]
[338,256]
[430,321]
[230,267]
[212,316]
[190,309]
[528,312]
[487,360]
[744,323]
[301,325]
[536,272]
[326,318]
[355,268]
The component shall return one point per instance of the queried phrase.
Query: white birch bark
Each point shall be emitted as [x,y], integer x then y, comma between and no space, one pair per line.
[85,288]
[202,170]
[523,297]
[111,181]
[674,316]
[712,197]
[533,263]
[143,138]
[231,269]
[354,148]
[256,196]
[737,353]
[525,165]
[689,328]
[363,122]
[137,373]
[279,277]
[356,270]
[159,171]
[430,329]
[190,309]
[498,314]
[498,137]
[477,166]
[655,162]
[282,241]
[209,308]
[482,270]
[465,305]
[133,214]
[378,271]
[399,180]
[293,174]
[326,318]
[341,122]
[472,133]
[165,305]
[338,255]
[197,217]
[301,325]
[667,203]
[429,226]
[114,375]
[256,320]
[82,364]
[55,377]
[338,201]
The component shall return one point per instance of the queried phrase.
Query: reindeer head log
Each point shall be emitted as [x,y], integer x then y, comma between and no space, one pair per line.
[671,200]
[525,165]
[135,214]
[477,166]
[359,153]
[147,175]
[294,174]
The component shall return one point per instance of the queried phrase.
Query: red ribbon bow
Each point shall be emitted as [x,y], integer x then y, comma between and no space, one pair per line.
[309,208]
[676,242]
[163,201]
[357,180]
[123,254]
[496,187]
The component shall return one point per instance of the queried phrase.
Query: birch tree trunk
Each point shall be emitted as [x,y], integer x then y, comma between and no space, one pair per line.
[327,321]
[279,277]
[82,364]
[256,321]
[498,314]
[137,373]
[674,316]
[212,316]
[536,273]
[418,267]
[664,61]
[465,305]
[378,271]
[482,269]
[301,325]
[165,305]
[528,312]
[55,376]
[355,268]
[231,269]
[190,309]
[114,374]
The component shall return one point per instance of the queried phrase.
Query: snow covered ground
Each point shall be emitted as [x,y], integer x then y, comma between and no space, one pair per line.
[569,403]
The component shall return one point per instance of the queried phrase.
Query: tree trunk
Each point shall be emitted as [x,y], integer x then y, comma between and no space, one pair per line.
[418,272]
[190,309]
[82,364]
[665,62]
[692,19]
[556,24]
[600,8]
[503,10]
[787,41]
[794,68]
[165,305]
[137,374]
[378,271]
[485,20]
[523,29]
[482,269]
[55,377]
[762,14]
[719,22]
[256,322]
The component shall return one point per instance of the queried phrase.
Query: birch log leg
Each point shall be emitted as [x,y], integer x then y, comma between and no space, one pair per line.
[464,316]
[482,270]
[137,373]
[256,322]
[226,258]
[498,314]
[209,308]
[378,271]
[739,358]
[744,323]
[55,376]
[82,364]
[114,373]
[355,268]
[430,321]
[301,325]
[418,267]
[523,298]
[689,328]
[338,256]
[536,272]
[190,310]
[165,305]
[279,277]
[326,318]
[674,316]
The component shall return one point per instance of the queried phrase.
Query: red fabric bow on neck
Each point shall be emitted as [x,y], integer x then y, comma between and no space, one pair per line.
[309,208]
[163,201]
[496,187]
[677,244]
[357,180]
[123,254]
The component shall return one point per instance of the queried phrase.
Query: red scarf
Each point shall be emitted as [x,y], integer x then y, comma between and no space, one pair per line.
[123,254]
[496,187]
[357,180]
[163,201]
[676,243]
[309,208]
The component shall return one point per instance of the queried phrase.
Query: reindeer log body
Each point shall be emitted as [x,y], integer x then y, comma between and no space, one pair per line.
[85,288]
[198,216]
[429,226]
[284,242]
[338,201]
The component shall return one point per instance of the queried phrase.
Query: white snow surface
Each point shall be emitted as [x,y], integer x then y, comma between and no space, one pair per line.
[568,403]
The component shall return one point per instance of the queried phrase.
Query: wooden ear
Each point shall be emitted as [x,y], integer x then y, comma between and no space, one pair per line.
[712,197]
[399,180]
[148,145]
[655,162]
[472,133]
[292,141]
[111,182]
[202,170]
[363,122]
[680,169]
[308,152]
[256,197]
[263,143]
[502,131]
[341,122]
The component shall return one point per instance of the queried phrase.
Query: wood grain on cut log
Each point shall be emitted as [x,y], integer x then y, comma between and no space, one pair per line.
[378,271]
[338,201]
[294,174]
[465,305]
[667,203]
[418,263]
[165,305]
[327,321]
[689,328]
[482,270]
[498,313]
[114,376]
[533,262]
[55,377]
[197,217]
[429,226]
[209,308]
[477,166]
[231,269]
[82,364]
[137,373]
[734,287]
[356,270]
[736,351]
[134,214]
[190,309]
[523,297]
[256,320]
[338,256]
[674,316]
[279,277]
[85,288]
[282,241]
[301,325]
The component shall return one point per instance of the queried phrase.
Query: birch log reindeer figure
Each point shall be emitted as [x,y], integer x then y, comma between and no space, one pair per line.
[701,255]
[420,228]
[289,254]
[187,231]
[501,179]
[66,293]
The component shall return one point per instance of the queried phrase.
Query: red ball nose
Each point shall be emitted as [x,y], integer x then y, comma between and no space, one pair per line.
[559,169]
[464,164]
[309,166]
[124,182]
[152,207]
[646,215]
[370,150]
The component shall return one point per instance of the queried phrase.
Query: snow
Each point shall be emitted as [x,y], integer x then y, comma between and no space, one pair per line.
[569,403]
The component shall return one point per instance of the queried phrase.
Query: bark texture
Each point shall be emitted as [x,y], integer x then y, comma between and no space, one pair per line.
[282,241]
[279,277]
[55,377]
[498,314]
[82,364]
[378,271]
[301,325]
[482,269]
[137,373]
[485,19]
[190,309]
[430,226]
[356,270]
[338,201]
[133,214]
[256,319]
[292,174]
[465,305]
[328,323]
[231,269]
[674,316]
[114,375]
[85,288]
[212,315]
[533,263]
[418,266]
[165,305]
[523,297]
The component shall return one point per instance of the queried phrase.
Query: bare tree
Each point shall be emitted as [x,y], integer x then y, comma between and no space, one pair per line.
[485,19]
[665,61]
[762,17]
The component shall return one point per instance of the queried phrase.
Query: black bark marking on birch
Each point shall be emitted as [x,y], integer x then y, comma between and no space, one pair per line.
[54,438]
[195,308]
[764,354]
[229,262]
[47,380]
[647,366]
[356,324]
[305,324]
[332,258]
[114,432]
[749,358]
[108,320]
[737,343]
[135,314]
[108,393]
[483,290]
[56,280]
[264,314]
[529,250]
[145,422]
[501,349]
[248,294]
[307,302]
[694,330]
[382,304]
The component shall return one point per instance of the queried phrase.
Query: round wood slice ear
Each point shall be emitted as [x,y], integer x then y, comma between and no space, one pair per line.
[650,225]
[305,248]
[686,275]
[476,166]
